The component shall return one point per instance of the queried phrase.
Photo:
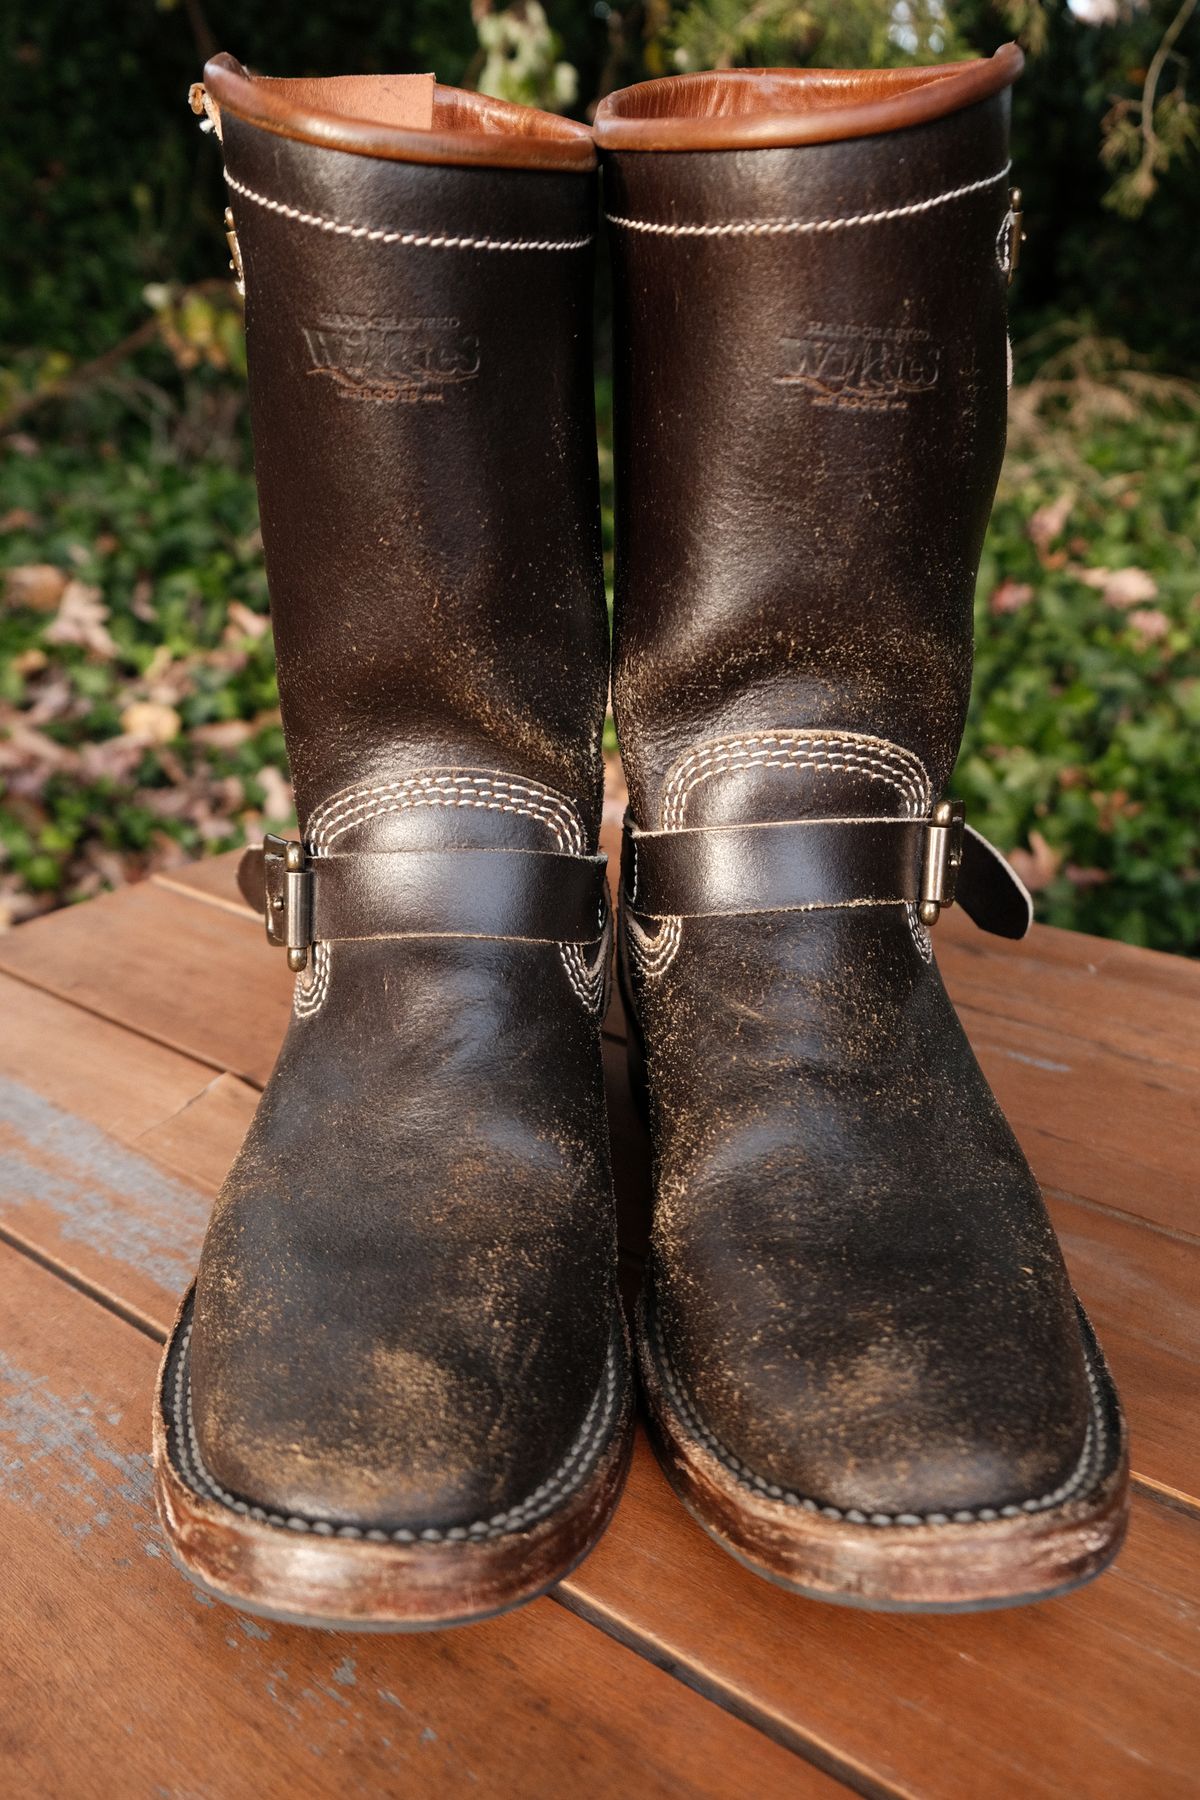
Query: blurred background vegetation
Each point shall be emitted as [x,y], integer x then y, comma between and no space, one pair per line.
[138,721]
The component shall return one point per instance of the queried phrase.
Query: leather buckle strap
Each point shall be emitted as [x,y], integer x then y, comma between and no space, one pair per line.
[531,895]
[811,864]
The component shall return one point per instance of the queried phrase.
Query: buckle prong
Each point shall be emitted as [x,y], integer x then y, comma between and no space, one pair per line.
[943,859]
[288,883]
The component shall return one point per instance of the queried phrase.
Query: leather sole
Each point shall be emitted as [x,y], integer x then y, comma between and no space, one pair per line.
[344,1577]
[1007,1557]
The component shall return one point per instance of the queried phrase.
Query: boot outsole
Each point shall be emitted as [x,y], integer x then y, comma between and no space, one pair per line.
[953,1567]
[309,1575]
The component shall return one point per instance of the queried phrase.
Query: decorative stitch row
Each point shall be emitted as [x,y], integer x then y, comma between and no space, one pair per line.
[1090,1462]
[566,1478]
[415,240]
[490,793]
[875,757]
[807,227]
[899,766]
[353,800]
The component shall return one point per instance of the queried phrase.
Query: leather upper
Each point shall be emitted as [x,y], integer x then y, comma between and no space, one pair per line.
[855,1286]
[406,1300]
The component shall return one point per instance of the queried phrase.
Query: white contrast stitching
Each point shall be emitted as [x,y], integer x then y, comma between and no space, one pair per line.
[569,1475]
[308,998]
[333,810]
[1090,1464]
[588,981]
[807,227]
[875,757]
[488,792]
[415,240]
[857,752]
[654,954]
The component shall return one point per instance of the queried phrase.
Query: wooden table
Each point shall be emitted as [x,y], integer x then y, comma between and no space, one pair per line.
[136,1032]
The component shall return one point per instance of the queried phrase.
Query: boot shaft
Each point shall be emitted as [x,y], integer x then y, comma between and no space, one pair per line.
[418,272]
[811,274]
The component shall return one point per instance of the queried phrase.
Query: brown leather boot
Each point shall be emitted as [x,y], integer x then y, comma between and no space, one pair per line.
[398,1396]
[867,1372]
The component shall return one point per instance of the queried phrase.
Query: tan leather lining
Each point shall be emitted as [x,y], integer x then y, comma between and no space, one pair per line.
[743,108]
[401,118]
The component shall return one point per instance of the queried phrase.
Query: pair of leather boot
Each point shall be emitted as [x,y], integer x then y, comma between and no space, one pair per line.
[399,1394]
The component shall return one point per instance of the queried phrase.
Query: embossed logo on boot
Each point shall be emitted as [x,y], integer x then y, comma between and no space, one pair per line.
[410,361]
[860,368]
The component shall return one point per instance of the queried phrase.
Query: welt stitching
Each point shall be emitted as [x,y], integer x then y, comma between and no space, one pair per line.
[569,1475]
[416,240]
[808,227]
[1089,1463]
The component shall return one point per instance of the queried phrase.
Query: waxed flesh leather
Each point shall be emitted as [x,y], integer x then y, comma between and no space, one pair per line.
[855,1281]
[406,1298]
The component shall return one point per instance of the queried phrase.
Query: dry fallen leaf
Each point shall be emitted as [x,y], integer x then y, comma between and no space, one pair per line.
[277,793]
[245,621]
[80,620]
[1038,865]
[36,585]
[1148,625]
[1048,521]
[1119,587]
[152,721]
[1010,597]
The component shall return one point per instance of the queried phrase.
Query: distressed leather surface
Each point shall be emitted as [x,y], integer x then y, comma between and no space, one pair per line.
[856,1281]
[406,1295]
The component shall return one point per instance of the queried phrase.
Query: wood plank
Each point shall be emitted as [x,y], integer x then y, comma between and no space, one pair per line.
[109,1660]
[111,1148]
[1135,1002]
[1047,1020]
[1096,1695]
[1122,1134]
[194,977]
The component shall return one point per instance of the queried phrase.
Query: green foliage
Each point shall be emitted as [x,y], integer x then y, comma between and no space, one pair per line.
[863,34]
[522,58]
[1080,743]
[138,716]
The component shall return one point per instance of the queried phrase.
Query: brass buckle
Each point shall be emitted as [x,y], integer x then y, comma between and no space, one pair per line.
[943,859]
[287,880]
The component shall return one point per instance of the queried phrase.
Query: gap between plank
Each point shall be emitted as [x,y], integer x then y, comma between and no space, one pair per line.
[810,1750]
[92,1290]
